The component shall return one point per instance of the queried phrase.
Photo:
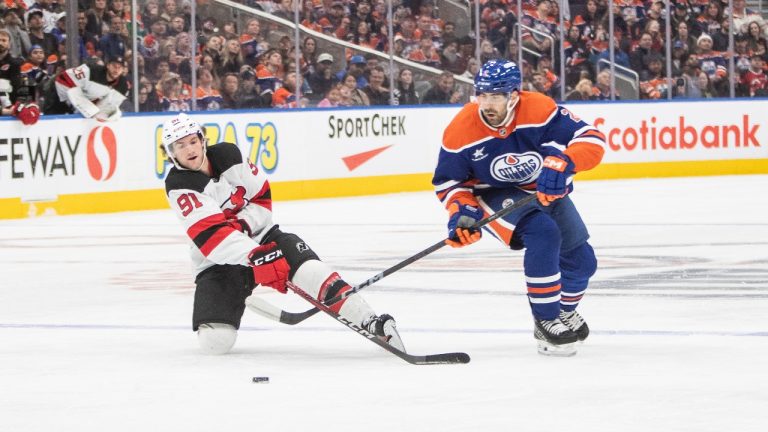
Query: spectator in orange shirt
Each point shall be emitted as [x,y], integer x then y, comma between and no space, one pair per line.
[426,54]
[269,71]
[285,96]
[552,82]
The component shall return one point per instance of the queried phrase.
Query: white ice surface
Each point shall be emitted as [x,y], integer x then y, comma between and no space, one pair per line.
[95,316]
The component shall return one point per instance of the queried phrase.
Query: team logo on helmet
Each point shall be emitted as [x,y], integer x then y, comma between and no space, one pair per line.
[516,168]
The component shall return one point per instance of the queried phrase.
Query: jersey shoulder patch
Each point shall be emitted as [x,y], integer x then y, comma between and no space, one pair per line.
[534,109]
[224,156]
[464,129]
[183,179]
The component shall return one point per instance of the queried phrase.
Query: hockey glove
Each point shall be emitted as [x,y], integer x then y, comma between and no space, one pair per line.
[28,113]
[554,178]
[462,217]
[238,224]
[270,267]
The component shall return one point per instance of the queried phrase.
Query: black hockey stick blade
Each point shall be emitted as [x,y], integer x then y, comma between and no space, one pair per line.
[293,318]
[447,358]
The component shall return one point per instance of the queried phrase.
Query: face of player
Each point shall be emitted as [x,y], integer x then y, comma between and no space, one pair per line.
[494,106]
[5,43]
[188,152]
[114,70]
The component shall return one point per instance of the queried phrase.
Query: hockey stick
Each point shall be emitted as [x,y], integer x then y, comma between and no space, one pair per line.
[272,312]
[446,358]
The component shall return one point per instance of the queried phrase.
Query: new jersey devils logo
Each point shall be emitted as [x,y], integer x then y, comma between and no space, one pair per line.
[101,153]
[237,198]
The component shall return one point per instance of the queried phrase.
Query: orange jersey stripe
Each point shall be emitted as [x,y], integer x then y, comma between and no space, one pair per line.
[504,234]
[544,290]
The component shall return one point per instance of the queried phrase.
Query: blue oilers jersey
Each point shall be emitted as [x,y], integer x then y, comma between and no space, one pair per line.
[475,155]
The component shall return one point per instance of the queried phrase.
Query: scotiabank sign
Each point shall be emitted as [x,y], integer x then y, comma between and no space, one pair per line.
[681,136]
[646,132]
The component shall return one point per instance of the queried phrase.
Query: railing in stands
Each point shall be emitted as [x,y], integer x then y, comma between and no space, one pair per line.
[627,80]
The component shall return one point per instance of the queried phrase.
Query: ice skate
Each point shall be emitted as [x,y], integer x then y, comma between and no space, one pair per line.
[576,323]
[385,328]
[554,338]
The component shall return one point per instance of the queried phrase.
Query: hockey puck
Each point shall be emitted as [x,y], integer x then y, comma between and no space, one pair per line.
[260,380]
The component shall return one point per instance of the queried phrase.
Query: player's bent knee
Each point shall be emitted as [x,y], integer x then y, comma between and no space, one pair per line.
[580,261]
[216,338]
[295,250]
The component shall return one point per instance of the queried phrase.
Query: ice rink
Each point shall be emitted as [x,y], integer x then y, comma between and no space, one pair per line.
[95,324]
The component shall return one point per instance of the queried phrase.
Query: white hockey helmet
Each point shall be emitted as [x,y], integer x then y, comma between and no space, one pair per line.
[177,128]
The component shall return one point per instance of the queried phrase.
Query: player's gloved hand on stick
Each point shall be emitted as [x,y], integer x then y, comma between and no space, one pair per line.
[462,217]
[28,113]
[552,183]
[270,267]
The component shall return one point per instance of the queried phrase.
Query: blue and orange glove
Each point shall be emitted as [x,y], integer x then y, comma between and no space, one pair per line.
[270,267]
[552,183]
[462,217]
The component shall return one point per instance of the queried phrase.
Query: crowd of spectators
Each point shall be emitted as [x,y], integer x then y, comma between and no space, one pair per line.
[237,64]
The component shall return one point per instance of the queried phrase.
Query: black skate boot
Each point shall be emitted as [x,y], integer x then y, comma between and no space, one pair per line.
[554,338]
[385,328]
[576,323]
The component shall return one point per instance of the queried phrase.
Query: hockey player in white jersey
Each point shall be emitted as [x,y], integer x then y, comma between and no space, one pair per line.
[76,89]
[225,206]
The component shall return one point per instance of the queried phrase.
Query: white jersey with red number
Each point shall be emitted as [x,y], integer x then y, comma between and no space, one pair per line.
[79,77]
[225,216]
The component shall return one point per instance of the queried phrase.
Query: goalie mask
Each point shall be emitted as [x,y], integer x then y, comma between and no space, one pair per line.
[177,128]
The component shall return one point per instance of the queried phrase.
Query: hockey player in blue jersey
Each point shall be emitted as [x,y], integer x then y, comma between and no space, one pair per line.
[507,145]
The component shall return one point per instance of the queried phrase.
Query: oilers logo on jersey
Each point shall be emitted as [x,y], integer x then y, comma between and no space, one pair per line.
[516,168]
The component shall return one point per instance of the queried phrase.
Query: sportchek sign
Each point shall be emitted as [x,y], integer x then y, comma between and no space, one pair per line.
[337,152]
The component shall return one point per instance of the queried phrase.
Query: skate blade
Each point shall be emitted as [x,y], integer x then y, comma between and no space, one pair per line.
[548,349]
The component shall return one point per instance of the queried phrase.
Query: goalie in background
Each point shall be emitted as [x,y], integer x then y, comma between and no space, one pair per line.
[95,91]
[224,204]
[508,145]
[17,94]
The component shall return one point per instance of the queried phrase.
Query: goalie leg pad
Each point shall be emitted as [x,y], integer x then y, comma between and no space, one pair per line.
[216,338]
[295,250]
